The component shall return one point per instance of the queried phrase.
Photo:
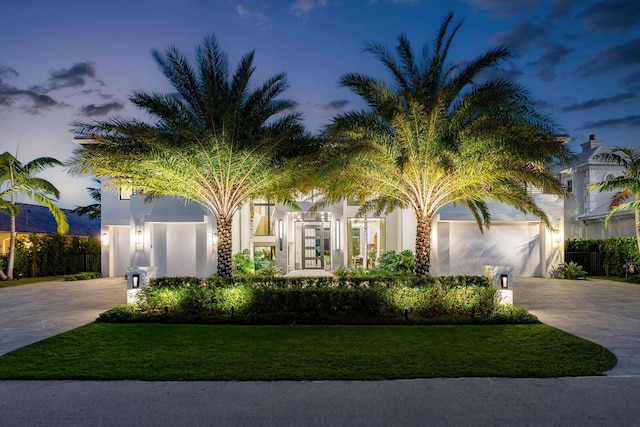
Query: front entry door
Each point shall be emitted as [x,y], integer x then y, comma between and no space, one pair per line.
[313,255]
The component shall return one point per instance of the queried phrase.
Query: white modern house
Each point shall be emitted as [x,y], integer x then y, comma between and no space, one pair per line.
[172,238]
[585,211]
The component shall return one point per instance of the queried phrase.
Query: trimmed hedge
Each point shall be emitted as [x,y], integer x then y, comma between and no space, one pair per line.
[312,300]
[86,275]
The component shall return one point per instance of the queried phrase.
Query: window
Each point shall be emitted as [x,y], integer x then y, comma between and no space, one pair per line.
[263,220]
[570,186]
[365,235]
[609,177]
[125,193]
[266,252]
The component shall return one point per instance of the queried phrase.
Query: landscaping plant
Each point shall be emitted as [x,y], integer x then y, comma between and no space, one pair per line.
[571,271]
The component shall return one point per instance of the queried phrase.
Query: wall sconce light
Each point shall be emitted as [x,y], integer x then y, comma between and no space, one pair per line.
[139,238]
[214,238]
[135,281]
[338,231]
[104,238]
[504,281]
[280,232]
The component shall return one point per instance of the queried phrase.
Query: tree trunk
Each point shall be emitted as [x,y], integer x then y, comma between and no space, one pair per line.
[637,218]
[225,263]
[12,247]
[423,245]
[252,269]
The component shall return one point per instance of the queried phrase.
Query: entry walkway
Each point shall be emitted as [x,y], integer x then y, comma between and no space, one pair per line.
[602,311]
[30,313]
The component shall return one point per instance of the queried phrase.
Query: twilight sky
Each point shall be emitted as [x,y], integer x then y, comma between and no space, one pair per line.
[68,60]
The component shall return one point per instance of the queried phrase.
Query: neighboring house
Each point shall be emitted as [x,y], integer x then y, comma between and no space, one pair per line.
[175,238]
[37,219]
[585,211]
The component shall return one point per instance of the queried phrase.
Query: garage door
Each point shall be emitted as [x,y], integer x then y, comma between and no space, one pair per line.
[465,250]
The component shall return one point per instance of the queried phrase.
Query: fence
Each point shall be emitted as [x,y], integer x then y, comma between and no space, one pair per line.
[591,262]
[73,263]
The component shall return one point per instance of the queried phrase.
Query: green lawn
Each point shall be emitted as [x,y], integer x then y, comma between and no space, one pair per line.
[29,280]
[229,352]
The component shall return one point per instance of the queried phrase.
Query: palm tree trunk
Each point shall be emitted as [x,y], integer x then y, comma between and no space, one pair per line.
[225,263]
[251,257]
[637,218]
[423,245]
[12,247]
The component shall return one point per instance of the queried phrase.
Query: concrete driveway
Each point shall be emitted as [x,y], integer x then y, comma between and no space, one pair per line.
[601,311]
[31,313]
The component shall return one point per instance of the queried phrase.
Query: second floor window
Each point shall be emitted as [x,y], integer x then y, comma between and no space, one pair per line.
[263,221]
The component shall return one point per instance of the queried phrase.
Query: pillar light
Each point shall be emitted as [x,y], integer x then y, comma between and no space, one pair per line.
[104,238]
[139,238]
[280,232]
[214,238]
[338,231]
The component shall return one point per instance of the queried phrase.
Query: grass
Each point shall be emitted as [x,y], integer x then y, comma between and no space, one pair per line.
[101,351]
[29,280]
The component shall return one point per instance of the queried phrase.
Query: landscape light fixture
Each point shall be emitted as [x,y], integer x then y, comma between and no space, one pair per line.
[504,281]
[135,281]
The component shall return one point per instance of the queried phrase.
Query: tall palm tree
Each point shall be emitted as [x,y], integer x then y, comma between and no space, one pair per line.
[628,184]
[438,135]
[16,180]
[218,141]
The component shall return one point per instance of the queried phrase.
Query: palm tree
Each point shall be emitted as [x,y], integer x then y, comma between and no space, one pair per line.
[628,184]
[93,210]
[218,141]
[16,180]
[439,135]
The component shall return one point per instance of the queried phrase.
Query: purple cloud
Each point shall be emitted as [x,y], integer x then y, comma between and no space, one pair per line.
[611,15]
[597,102]
[629,121]
[93,110]
[72,77]
[610,59]
[521,37]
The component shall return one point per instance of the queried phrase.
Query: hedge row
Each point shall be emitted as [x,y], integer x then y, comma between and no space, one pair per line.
[617,251]
[313,300]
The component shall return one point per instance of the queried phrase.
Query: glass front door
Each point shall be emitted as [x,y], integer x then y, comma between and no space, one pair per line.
[313,255]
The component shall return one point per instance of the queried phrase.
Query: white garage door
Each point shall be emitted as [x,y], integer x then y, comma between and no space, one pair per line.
[466,250]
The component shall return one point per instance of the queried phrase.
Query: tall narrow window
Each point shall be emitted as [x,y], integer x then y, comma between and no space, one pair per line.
[570,186]
[263,221]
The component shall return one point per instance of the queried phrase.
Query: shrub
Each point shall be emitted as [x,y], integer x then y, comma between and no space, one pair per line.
[87,275]
[394,262]
[570,270]
[357,299]
[617,252]
[584,245]
[506,313]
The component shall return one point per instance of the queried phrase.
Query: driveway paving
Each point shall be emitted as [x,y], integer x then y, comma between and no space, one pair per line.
[31,313]
[602,311]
